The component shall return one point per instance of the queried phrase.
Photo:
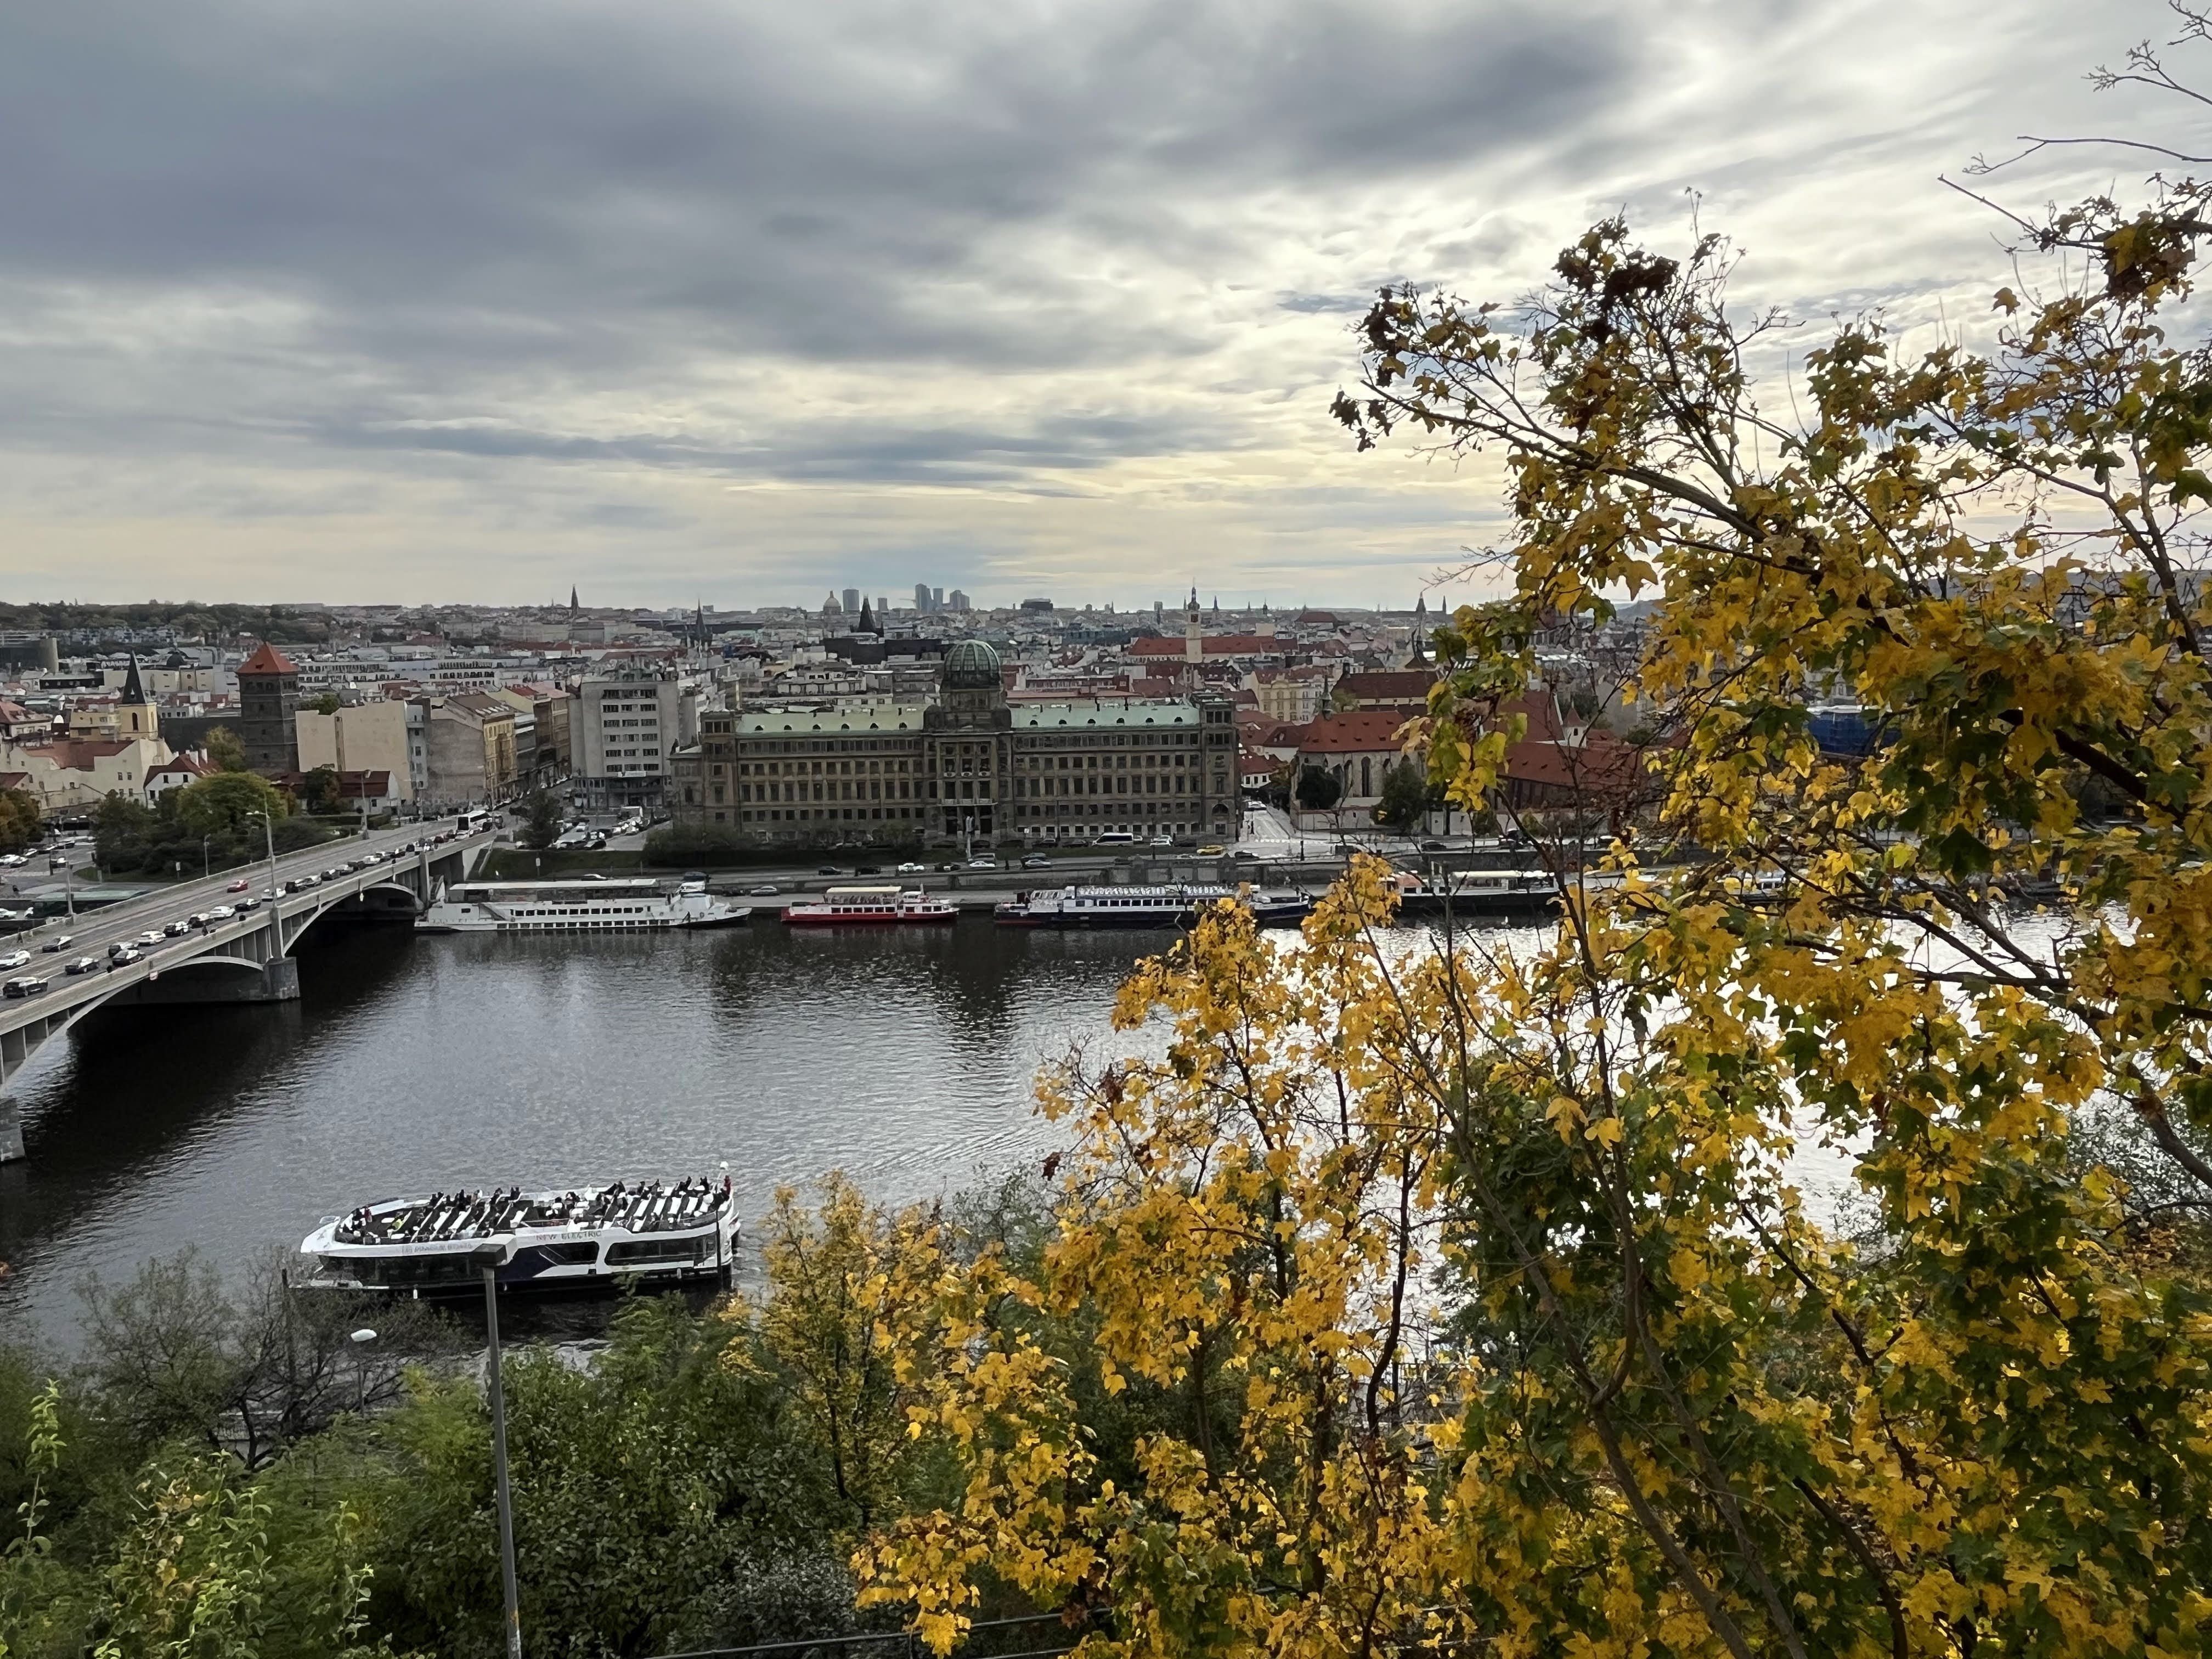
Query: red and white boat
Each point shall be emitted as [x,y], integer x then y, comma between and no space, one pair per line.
[862,907]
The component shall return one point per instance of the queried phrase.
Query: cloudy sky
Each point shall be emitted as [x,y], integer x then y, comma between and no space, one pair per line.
[743,299]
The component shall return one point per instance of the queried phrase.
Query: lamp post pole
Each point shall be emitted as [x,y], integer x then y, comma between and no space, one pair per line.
[487,1257]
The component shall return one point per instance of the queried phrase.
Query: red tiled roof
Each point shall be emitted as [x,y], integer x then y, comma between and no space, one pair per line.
[1214,644]
[1398,685]
[268,660]
[1361,731]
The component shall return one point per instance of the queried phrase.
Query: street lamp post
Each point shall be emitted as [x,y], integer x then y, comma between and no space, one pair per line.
[206,869]
[269,835]
[489,1257]
[360,1339]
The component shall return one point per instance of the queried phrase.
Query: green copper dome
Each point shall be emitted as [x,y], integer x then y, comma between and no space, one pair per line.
[970,665]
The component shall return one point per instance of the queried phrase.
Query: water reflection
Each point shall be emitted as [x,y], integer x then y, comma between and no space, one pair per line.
[905,1057]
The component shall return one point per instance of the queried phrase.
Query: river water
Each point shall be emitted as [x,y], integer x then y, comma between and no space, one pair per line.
[904,1057]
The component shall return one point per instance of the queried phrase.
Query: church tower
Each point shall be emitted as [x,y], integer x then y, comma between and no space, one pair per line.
[135,716]
[1193,647]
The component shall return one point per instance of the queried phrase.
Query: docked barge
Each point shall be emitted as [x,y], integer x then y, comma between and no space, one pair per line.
[1175,906]
[593,1239]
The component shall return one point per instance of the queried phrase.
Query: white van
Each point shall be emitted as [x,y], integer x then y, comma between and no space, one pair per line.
[1114,838]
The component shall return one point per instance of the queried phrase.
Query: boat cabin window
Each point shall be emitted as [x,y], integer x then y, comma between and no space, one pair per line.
[656,1249]
[570,1255]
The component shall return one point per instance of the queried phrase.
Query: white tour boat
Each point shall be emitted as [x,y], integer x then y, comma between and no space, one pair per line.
[597,1238]
[1134,905]
[889,905]
[537,907]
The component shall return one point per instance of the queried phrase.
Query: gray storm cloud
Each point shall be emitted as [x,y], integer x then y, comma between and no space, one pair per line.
[386,296]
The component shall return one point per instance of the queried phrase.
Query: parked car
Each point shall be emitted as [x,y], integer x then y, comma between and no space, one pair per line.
[1163,840]
[911,868]
[28,986]
[55,946]
[238,886]
[766,890]
[11,859]
[15,959]
[1037,861]
[1245,855]
[829,870]
[982,864]
[80,965]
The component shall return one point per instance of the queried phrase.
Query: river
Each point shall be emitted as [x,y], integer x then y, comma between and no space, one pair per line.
[904,1057]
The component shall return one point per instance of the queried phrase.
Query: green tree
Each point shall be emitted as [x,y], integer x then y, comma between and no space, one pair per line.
[1318,789]
[319,790]
[225,750]
[225,805]
[1405,799]
[20,814]
[121,826]
[327,703]
[543,826]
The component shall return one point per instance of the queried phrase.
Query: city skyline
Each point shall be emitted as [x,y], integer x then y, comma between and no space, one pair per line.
[755,302]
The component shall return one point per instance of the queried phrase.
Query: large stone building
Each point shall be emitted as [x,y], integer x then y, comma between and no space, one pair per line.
[968,764]
[624,727]
[268,700]
[365,737]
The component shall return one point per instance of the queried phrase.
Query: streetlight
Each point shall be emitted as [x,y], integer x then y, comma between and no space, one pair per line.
[205,869]
[360,1339]
[269,835]
[489,1257]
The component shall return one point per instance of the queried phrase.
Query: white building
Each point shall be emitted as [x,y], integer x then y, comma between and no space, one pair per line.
[624,725]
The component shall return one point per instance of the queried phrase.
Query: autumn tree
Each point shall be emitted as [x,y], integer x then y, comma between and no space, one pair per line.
[225,748]
[1665,1404]
[230,804]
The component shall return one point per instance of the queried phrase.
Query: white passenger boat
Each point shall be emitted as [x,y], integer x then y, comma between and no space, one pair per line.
[597,1238]
[537,907]
[1483,893]
[865,907]
[1175,906]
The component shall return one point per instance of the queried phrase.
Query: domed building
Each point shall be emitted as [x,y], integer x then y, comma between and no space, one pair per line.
[972,665]
[968,767]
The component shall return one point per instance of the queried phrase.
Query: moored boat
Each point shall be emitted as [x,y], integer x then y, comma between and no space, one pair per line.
[594,1238]
[611,905]
[870,907]
[1174,906]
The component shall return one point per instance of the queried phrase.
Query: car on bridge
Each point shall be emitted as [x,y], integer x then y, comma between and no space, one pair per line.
[28,986]
[56,946]
[124,957]
[238,887]
[80,965]
[151,936]
[15,959]
[178,928]
[222,913]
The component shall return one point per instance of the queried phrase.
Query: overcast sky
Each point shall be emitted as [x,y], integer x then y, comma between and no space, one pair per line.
[471,300]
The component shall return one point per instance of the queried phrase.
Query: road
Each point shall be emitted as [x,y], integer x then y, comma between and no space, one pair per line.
[92,931]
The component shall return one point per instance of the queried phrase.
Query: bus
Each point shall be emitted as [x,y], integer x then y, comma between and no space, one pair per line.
[473,819]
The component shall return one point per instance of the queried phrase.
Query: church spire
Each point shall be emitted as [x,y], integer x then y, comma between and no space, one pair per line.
[571,598]
[134,689]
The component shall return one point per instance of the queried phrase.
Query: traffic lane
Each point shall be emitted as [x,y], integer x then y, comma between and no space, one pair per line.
[64,990]
[153,912]
[201,893]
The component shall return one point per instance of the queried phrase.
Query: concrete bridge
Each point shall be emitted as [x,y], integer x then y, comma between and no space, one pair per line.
[242,958]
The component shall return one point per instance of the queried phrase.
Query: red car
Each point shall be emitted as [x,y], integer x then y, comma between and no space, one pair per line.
[238,887]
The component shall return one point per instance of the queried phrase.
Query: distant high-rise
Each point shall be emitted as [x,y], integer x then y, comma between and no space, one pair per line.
[955,600]
[883,606]
[852,601]
[937,598]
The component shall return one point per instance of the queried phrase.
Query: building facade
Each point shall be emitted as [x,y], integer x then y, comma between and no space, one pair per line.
[468,744]
[367,736]
[268,701]
[624,728]
[968,767]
